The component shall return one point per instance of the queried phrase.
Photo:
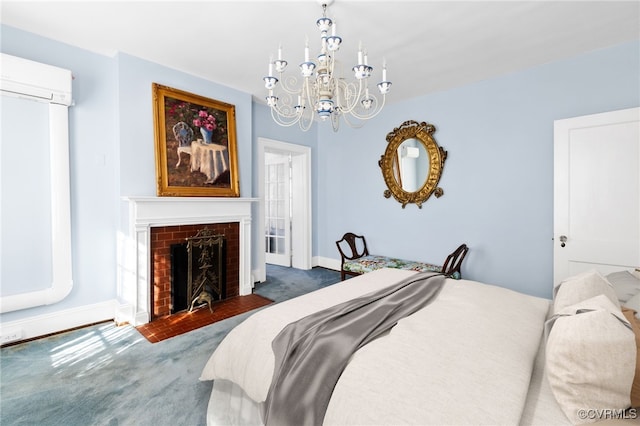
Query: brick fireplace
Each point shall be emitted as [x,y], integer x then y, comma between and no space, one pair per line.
[141,289]
[162,237]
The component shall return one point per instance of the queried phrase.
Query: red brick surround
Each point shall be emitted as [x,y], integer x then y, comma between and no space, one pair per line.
[161,239]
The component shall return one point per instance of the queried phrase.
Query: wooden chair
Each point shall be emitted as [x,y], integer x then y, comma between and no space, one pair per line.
[357,248]
[453,262]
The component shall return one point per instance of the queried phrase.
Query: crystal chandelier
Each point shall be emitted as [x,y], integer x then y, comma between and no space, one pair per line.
[320,89]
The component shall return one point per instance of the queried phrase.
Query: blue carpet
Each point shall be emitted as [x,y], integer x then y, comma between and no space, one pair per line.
[108,375]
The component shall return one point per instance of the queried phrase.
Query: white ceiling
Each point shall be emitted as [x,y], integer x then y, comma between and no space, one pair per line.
[428,45]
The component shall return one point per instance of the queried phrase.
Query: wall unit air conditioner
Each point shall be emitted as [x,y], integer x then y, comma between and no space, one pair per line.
[33,80]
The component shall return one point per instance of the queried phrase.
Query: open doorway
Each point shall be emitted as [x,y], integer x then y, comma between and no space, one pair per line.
[285,203]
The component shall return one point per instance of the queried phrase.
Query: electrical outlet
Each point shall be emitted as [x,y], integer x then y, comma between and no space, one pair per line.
[8,336]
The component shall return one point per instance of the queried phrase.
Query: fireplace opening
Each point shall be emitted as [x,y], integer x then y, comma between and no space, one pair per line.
[164,300]
[179,275]
[198,271]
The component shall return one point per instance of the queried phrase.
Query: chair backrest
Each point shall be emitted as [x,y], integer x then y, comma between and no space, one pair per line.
[453,262]
[183,133]
[352,246]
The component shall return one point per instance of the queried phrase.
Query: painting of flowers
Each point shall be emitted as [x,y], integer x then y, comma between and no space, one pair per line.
[196,153]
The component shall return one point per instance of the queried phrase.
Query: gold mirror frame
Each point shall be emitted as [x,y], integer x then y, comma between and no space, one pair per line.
[437,155]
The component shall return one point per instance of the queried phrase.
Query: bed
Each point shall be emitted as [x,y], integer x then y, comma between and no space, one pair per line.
[474,355]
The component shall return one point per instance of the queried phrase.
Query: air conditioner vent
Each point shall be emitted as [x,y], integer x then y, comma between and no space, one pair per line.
[32,80]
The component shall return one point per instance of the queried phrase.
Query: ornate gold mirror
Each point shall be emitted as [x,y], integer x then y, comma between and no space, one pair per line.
[412,163]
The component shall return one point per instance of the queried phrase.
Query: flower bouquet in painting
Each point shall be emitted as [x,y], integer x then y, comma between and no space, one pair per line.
[206,122]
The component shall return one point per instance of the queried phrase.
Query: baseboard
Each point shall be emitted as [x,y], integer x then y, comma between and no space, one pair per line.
[259,275]
[41,325]
[326,262]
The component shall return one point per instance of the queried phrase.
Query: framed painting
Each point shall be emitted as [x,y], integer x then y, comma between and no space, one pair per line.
[195,145]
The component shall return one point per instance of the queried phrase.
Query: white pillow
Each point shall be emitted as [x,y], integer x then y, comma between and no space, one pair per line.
[625,283]
[591,358]
[581,287]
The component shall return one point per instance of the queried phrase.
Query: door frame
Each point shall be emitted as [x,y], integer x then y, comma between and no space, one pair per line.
[301,227]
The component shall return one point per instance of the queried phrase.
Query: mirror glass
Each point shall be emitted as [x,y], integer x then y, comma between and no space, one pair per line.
[411,165]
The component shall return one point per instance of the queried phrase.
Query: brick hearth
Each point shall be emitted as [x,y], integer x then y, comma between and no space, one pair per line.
[161,239]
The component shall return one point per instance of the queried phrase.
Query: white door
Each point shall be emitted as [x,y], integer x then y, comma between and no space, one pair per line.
[277,190]
[597,193]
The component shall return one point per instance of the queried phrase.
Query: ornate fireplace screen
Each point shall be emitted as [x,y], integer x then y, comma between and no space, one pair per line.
[205,280]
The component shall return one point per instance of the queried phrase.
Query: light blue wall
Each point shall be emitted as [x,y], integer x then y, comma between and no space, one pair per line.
[497,180]
[136,126]
[112,151]
[265,127]
[93,161]
[135,116]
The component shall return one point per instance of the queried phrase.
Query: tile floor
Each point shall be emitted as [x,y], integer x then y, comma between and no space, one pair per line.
[182,322]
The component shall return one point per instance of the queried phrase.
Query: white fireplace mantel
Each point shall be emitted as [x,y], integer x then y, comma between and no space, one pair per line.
[147,212]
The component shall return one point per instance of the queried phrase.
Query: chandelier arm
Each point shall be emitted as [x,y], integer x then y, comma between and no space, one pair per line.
[362,117]
[277,118]
[351,124]
[286,111]
[351,95]
[307,89]
[302,116]
[288,84]
[305,124]
[375,112]
[284,114]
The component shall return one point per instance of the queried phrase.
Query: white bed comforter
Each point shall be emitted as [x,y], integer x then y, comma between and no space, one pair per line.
[466,358]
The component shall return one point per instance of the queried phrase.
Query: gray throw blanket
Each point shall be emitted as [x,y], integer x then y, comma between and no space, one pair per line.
[311,353]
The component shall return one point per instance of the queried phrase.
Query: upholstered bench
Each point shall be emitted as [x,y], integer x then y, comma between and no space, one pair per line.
[356,259]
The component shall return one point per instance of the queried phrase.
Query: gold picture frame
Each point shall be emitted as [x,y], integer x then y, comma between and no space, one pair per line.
[195,145]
